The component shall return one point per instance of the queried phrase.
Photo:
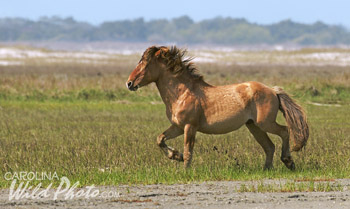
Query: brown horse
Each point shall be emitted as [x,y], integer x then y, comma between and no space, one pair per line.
[193,105]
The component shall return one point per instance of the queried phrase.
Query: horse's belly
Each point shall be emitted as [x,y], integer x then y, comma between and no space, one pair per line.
[223,126]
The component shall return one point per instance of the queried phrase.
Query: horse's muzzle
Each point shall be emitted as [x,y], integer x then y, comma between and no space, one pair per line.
[131,87]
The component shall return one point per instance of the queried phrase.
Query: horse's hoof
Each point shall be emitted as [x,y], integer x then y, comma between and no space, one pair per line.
[267,168]
[175,155]
[181,157]
[288,162]
[187,166]
[292,166]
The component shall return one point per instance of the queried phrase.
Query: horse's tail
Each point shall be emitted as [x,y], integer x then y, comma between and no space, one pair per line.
[296,120]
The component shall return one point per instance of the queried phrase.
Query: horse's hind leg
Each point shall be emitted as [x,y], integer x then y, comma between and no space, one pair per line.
[281,131]
[264,140]
[172,132]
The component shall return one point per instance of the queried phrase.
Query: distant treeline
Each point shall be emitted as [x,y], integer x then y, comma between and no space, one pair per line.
[180,30]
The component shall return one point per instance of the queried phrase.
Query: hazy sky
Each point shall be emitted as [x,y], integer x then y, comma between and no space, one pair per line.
[259,11]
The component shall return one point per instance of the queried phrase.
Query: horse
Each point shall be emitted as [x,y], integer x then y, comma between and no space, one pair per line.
[193,105]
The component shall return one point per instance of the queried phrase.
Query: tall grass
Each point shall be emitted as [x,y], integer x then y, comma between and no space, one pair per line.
[326,84]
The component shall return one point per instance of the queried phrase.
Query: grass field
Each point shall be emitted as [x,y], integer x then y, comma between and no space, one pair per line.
[78,119]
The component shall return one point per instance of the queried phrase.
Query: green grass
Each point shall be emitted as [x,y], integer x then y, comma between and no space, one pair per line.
[108,143]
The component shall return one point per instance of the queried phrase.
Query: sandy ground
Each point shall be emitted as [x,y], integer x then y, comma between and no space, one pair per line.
[221,195]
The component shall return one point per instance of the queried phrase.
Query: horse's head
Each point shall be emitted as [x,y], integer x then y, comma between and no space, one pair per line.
[148,68]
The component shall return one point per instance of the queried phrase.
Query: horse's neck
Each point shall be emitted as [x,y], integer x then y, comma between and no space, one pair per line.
[171,88]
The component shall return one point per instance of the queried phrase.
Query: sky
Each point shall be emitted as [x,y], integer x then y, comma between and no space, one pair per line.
[257,11]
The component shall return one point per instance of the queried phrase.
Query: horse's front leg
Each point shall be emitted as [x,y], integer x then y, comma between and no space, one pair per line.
[172,132]
[189,139]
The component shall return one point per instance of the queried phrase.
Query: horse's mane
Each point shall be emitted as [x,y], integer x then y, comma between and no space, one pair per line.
[175,59]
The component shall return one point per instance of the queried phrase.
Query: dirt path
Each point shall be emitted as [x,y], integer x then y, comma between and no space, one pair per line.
[221,194]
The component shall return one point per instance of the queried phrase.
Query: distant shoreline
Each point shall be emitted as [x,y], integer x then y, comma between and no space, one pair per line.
[138,47]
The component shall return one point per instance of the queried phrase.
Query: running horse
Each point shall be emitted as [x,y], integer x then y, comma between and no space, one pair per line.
[193,105]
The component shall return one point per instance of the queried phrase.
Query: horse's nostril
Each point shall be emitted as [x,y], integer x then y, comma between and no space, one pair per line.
[129,84]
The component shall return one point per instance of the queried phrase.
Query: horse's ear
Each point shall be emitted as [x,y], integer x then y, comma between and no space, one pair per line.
[161,52]
[157,54]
